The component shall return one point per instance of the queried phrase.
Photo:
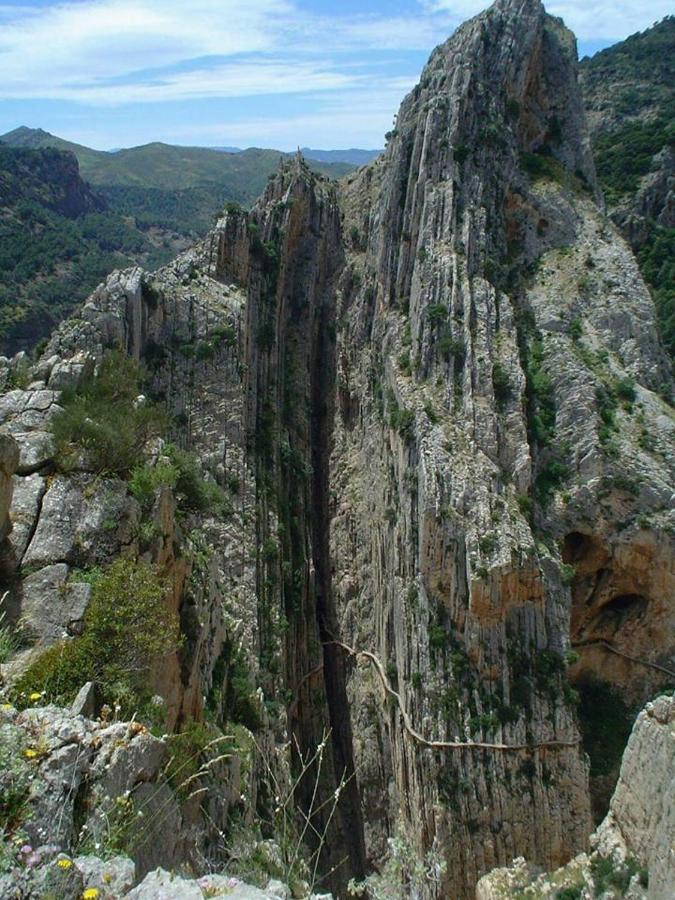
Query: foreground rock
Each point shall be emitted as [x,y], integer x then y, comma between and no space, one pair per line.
[634,847]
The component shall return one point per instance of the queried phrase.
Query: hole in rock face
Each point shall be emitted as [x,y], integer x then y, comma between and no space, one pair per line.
[606,722]
[632,604]
[609,609]
[577,546]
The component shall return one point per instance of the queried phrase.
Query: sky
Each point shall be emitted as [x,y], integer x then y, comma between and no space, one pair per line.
[267,73]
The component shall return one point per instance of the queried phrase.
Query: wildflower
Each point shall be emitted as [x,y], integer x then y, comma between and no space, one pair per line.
[33,859]
[26,849]
[91,894]
[29,753]
[6,706]
[64,864]
[35,696]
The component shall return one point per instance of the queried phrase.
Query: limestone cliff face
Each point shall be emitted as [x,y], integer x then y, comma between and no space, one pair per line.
[635,840]
[436,385]
[487,308]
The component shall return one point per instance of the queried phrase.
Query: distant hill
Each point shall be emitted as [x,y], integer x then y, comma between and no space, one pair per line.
[353,156]
[47,177]
[58,240]
[59,237]
[170,187]
[170,167]
[629,92]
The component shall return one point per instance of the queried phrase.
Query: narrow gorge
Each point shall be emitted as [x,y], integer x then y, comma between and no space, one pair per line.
[410,498]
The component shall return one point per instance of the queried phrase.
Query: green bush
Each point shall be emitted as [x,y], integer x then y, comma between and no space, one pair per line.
[448,346]
[193,492]
[625,390]
[127,628]
[541,166]
[501,385]
[437,312]
[15,777]
[403,420]
[188,752]
[574,892]
[549,479]
[102,419]
[145,480]
[575,329]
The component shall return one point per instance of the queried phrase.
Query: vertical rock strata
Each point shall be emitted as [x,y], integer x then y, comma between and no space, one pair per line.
[487,310]
[439,385]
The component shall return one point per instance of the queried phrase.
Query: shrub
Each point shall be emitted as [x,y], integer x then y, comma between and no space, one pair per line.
[524,502]
[146,479]
[15,777]
[608,874]
[103,420]
[541,166]
[403,420]
[460,152]
[127,627]
[437,312]
[405,363]
[574,892]
[575,329]
[224,334]
[451,346]
[567,573]
[10,638]
[625,390]
[187,750]
[549,480]
[193,492]
[488,543]
[501,385]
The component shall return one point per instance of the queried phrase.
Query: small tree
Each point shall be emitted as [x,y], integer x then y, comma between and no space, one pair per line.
[127,628]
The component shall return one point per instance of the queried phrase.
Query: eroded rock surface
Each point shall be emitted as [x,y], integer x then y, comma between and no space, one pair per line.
[634,845]
[433,393]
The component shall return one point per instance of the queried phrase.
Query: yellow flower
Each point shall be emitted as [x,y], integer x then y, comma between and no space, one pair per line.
[91,894]
[64,863]
[35,696]
[6,706]
[29,753]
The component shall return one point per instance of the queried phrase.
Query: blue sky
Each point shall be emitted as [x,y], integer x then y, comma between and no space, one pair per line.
[272,73]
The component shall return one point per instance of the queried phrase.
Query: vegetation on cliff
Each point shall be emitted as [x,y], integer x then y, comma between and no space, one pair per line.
[629,91]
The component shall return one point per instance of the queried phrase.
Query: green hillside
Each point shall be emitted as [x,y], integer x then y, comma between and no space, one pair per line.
[58,240]
[629,92]
[169,167]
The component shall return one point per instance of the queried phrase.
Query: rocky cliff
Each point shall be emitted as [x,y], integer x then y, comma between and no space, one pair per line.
[48,177]
[630,102]
[632,850]
[426,410]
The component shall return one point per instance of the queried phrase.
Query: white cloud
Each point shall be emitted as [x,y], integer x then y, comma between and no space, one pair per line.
[76,44]
[245,79]
[353,118]
[113,53]
[601,20]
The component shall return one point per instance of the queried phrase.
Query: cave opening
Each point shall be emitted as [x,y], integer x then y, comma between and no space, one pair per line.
[608,628]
